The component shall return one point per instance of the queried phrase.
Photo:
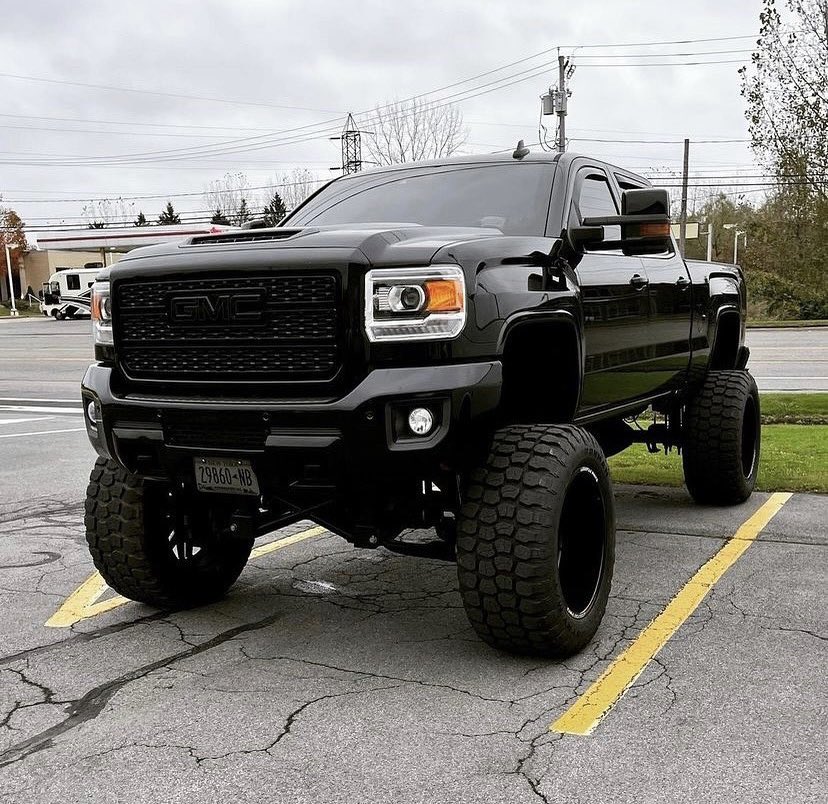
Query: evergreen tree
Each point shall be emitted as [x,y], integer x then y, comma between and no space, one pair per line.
[169,215]
[243,214]
[141,220]
[220,218]
[274,210]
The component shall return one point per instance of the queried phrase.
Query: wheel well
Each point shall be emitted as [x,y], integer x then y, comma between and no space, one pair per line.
[541,372]
[726,341]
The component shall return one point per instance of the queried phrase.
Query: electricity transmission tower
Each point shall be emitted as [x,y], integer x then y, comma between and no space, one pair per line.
[351,139]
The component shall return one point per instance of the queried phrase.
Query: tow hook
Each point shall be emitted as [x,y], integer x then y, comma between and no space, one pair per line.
[241,525]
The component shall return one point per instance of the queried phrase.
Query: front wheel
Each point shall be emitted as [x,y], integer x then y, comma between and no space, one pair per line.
[722,439]
[147,553]
[536,541]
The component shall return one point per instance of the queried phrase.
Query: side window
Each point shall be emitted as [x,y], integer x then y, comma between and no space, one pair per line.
[72,282]
[625,184]
[595,201]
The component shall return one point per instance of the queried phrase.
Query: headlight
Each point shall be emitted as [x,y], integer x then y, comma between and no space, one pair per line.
[102,313]
[423,304]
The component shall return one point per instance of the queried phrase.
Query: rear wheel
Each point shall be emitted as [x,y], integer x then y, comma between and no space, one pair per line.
[722,439]
[147,553]
[536,541]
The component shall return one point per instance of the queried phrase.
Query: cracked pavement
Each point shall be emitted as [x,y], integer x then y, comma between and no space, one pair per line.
[336,674]
[331,674]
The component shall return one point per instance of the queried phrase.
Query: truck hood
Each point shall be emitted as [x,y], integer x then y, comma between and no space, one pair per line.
[379,244]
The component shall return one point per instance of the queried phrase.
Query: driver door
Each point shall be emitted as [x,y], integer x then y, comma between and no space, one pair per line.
[614,293]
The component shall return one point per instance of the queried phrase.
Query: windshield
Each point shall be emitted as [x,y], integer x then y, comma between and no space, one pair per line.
[511,197]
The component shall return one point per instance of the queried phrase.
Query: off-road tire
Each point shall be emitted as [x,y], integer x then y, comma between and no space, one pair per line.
[722,439]
[130,548]
[543,497]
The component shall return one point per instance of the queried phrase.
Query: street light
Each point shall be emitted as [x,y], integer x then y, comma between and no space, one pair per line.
[709,241]
[736,239]
[11,283]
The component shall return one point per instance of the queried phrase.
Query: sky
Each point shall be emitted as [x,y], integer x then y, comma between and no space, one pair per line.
[259,86]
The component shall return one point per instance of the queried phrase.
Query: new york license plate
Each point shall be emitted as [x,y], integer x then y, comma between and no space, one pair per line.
[225,476]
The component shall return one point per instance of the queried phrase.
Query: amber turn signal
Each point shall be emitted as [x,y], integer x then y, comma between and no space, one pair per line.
[654,230]
[443,295]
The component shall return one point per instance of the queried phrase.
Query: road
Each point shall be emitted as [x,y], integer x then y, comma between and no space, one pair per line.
[789,359]
[342,675]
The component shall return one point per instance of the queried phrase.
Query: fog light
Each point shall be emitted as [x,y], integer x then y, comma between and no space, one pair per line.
[420,421]
[92,414]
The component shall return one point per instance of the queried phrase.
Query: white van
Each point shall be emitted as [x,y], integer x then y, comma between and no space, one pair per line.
[68,292]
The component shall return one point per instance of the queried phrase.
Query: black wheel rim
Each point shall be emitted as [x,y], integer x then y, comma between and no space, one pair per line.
[582,535]
[750,440]
[185,544]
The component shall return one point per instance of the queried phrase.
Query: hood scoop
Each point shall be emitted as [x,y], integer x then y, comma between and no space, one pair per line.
[244,236]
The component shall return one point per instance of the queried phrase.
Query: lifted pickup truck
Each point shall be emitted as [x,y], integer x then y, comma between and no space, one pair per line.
[449,347]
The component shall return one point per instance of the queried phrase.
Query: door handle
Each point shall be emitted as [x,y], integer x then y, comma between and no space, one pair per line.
[639,282]
[683,283]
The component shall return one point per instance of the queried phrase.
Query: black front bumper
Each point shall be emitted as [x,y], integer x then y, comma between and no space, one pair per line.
[289,441]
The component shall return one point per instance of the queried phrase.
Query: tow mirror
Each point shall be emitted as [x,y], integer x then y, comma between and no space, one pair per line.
[645,202]
[645,223]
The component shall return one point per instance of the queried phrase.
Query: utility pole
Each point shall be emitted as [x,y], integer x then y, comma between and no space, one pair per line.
[683,221]
[709,241]
[560,103]
[555,102]
[351,138]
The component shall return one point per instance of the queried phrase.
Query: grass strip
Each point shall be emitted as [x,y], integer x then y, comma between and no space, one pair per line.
[794,458]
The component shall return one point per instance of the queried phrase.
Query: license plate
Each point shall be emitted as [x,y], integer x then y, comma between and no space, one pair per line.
[225,476]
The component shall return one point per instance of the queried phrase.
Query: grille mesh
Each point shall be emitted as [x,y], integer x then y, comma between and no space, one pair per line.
[218,431]
[296,337]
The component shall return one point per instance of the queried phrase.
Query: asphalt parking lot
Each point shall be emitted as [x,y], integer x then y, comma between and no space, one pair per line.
[334,674]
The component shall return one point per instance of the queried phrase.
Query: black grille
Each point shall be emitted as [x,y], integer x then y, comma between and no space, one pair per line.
[214,431]
[290,331]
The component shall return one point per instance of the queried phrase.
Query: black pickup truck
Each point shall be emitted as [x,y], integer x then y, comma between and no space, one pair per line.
[434,358]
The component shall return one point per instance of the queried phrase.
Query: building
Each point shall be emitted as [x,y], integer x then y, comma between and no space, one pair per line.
[74,248]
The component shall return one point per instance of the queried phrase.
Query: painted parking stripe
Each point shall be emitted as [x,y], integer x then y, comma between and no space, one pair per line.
[588,711]
[28,419]
[62,411]
[43,432]
[85,601]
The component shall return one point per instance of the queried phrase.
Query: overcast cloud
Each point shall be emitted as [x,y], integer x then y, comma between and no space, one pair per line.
[329,58]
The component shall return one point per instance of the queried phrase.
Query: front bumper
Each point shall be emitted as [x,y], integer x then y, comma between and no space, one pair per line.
[158,437]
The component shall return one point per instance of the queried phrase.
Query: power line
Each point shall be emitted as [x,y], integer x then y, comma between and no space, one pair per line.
[663,55]
[654,44]
[160,94]
[655,142]
[521,76]
[235,146]
[130,122]
[670,63]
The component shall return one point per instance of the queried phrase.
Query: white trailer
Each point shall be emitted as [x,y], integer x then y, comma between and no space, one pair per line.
[68,293]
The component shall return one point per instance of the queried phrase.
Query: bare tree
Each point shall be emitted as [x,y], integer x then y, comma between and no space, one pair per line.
[227,194]
[108,212]
[415,129]
[293,186]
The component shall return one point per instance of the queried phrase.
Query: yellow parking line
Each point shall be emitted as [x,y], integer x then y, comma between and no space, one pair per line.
[588,711]
[85,601]
[264,549]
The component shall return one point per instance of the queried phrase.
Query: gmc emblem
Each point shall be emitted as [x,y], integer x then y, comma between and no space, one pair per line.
[218,308]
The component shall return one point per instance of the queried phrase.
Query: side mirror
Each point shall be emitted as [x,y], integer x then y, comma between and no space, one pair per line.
[645,202]
[644,221]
